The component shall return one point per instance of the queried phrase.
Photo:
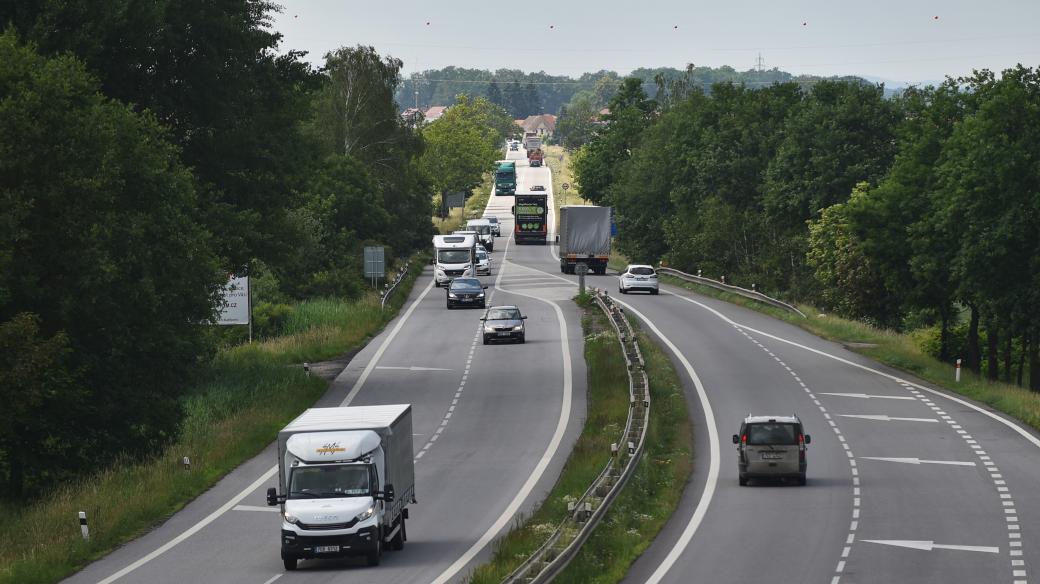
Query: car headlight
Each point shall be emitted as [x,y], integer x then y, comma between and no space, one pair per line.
[452,295]
[367,513]
[290,518]
[481,295]
[518,327]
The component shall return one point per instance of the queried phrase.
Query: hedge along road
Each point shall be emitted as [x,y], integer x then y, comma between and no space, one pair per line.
[494,425]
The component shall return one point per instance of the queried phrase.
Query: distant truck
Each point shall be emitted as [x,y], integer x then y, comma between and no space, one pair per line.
[345,479]
[453,257]
[584,238]
[532,141]
[535,157]
[531,214]
[505,178]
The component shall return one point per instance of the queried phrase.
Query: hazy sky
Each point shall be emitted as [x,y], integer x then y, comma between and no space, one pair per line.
[906,41]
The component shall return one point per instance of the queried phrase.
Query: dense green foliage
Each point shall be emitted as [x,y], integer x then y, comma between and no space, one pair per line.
[147,150]
[523,94]
[903,212]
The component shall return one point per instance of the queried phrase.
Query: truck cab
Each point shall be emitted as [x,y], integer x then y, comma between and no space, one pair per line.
[485,232]
[453,256]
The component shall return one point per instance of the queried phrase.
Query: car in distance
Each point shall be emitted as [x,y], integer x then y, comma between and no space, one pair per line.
[483,262]
[466,292]
[771,447]
[504,323]
[537,188]
[496,227]
[638,277]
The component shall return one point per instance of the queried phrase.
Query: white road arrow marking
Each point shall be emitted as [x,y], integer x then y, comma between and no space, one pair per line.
[413,368]
[865,396]
[919,461]
[931,545]
[884,418]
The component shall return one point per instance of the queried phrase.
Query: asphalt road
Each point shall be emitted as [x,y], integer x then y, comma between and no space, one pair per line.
[907,484]
[493,426]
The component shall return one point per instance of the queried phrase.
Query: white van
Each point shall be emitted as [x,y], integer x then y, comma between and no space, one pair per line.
[485,231]
[453,257]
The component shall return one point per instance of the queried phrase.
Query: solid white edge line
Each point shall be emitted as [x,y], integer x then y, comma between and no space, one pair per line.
[1025,434]
[561,426]
[273,578]
[194,528]
[713,448]
[270,472]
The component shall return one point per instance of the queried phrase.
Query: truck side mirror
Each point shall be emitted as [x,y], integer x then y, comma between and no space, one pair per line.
[433,261]
[272,497]
[736,439]
[387,494]
[808,438]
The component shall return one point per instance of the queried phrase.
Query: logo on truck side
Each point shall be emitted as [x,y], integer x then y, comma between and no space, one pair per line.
[331,448]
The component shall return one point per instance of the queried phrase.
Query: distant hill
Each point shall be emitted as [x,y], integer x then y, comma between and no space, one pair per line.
[524,94]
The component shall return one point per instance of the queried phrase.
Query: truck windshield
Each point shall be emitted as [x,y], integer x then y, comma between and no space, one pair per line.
[481,229]
[453,256]
[331,481]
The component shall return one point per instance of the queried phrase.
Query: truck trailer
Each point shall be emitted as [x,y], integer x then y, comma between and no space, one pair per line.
[584,238]
[345,479]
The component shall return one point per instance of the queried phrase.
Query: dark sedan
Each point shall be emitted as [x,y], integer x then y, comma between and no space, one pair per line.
[466,292]
[504,323]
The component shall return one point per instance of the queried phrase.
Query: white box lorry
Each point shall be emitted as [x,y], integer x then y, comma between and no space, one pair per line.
[485,232]
[453,257]
[584,238]
[345,479]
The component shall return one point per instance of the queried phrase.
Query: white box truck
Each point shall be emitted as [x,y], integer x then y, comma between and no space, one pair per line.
[584,238]
[485,232]
[453,257]
[345,479]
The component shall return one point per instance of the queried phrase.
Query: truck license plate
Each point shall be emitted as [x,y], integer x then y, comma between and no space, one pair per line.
[772,455]
[325,549]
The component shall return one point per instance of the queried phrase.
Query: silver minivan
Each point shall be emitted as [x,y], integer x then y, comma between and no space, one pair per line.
[771,447]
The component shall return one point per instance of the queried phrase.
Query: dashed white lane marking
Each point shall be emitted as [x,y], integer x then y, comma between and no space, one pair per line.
[856,499]
[273,578]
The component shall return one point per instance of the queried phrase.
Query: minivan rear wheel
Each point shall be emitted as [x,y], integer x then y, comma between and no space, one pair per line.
[742,480]
[801,479]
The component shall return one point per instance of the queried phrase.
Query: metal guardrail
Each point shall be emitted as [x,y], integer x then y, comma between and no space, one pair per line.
[752,294]
[388,288]
[561,547]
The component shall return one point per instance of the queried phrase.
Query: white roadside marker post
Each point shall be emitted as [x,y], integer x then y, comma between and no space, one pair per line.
[83,525]
[957,371]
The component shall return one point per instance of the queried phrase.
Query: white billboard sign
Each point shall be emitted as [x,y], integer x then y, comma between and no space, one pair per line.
[235,305]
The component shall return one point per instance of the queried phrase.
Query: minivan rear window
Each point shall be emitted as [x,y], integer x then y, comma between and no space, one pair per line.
[772,433]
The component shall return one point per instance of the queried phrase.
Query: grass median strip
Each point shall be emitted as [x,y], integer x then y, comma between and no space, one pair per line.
[246,395]
[607,413]
[654,491]
[894,349]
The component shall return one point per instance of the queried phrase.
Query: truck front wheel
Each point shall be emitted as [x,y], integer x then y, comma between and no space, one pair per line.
[289,563]
[376,555]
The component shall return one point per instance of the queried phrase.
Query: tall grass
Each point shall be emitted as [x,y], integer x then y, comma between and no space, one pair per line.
[897,350]
[654,490]
[247,394]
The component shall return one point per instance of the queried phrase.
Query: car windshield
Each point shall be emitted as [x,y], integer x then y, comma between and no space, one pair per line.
[482,255]
[641,271]
[466,285]
[453,256]
[492,220]
[481,229]
[503,314]
[772,433]
[329,481]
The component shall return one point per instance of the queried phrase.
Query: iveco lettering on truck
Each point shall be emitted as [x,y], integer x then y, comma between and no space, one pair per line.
[505,179]
[531,213]
[345,479]
[584,238]
[453,257]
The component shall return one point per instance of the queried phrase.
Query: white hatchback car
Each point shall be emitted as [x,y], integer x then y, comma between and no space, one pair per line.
[638,277]
[483,262]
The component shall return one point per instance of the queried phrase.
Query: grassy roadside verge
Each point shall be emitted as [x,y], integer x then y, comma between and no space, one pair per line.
[653,492]
[558,159]
[473,208]
[896,350]
[246,395]
[664,468]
